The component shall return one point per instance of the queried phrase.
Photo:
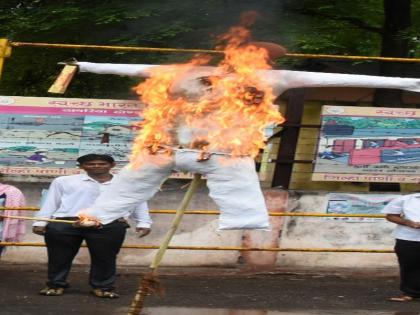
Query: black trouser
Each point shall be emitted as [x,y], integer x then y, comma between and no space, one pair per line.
[408,253]
[63,242]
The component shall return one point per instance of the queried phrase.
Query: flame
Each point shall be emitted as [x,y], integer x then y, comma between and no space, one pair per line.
[232,110]
[87,220]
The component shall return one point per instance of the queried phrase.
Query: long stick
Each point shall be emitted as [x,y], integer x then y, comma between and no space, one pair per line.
[36,219]
[230,248]
[209,51]
[149,282]
[215,212]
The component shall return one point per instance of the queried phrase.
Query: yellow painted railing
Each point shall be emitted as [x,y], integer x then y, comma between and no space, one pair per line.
[237,248]
[215,212]
[207,51]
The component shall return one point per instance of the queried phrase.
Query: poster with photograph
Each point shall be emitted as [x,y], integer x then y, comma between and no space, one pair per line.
[368,144]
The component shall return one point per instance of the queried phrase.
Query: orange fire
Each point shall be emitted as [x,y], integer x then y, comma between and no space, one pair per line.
[230,114]
[87,221]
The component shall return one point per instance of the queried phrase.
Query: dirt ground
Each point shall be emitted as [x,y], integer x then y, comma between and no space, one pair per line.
[211,291]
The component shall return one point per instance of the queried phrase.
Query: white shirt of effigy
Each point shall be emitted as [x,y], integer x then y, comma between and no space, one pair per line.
[409,207]
[67,195]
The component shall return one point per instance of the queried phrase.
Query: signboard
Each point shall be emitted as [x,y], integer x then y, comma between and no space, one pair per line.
[368,144]
[45,136]
[343,203]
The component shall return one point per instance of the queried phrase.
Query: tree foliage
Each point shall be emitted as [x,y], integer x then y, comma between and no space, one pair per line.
[170,23]
[380,27]
[349,27]
[312,26]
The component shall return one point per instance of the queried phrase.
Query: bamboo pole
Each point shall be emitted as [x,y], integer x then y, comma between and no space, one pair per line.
[36,219]
[283,214]
[207,51]
[228,248]
[20,208]
[273,214]
[5,51]
[149,283]
[114,48]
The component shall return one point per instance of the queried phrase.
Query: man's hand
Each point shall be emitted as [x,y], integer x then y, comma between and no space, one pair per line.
[143,231]
[396,218]
[40,230]
[412,224]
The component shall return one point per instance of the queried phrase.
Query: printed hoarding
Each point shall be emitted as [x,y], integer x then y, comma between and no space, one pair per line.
[44,136]
[369,144]
[344,203]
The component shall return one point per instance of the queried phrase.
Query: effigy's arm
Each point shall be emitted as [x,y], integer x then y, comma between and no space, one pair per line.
[282,80]
[189,82]
[139,70]
[279,80]
[134,70]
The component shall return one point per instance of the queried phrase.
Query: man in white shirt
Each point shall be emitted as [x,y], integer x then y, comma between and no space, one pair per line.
[66,196]
[405,212]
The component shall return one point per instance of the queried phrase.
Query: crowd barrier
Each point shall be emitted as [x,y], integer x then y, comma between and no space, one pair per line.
[233,248]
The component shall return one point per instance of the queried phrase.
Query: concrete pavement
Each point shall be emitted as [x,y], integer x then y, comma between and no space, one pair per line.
[212,291]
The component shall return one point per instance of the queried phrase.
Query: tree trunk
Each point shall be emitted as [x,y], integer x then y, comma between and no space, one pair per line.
[394,44]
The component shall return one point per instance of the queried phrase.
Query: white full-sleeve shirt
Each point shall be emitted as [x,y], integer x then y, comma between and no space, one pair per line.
[67,195]
[407,206]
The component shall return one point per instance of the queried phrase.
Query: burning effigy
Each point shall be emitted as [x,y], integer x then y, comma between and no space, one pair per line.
[210,120]
[215,128]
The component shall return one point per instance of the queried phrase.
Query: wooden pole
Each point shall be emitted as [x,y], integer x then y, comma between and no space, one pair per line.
[231,248]
[289,139]
[5,51]
[36,219]
[274,214]
[149,283]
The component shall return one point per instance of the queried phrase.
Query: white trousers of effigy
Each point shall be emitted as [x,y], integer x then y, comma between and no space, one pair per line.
[233,184]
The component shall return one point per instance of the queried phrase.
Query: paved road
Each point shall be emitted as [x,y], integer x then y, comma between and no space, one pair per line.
[211,291]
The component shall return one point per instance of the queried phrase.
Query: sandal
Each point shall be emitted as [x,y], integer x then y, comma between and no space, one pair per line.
[401,298]
[52,291]
[106,294]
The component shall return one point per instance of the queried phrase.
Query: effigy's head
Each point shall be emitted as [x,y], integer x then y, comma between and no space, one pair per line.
[195,83]
[223,108]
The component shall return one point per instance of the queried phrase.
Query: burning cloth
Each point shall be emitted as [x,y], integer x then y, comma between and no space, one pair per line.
[210,120]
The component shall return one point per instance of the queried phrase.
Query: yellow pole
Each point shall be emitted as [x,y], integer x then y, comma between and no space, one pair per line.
[207,51]
[149,282]
[274,214]
[175,223]
[227,248]
[114,48]
[20,208]
[36,219]
[5,51]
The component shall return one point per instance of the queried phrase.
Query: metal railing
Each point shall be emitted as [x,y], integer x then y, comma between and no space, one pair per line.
[231,248]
